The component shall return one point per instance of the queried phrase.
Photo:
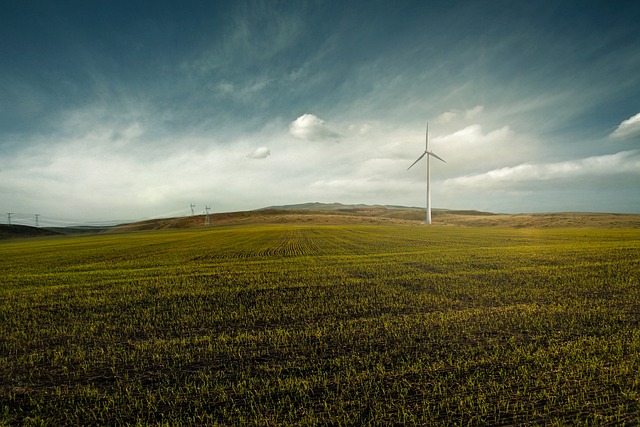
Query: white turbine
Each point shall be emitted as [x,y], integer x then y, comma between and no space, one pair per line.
[428,154]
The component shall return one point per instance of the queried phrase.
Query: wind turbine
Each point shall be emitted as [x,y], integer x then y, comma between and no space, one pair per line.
[428,154]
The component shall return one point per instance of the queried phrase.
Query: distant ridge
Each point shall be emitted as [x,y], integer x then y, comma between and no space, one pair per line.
[341,214]
[79,229]
[20,231]
[317,206]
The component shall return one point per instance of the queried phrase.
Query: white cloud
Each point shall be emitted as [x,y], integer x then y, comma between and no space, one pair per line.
[449,116]
[311,128]
[506,178]
[92,176]
[360,128]
[628,128]
[471,148]
[446,117]
[474,112]
[247,91]
[260,153]
[224,87]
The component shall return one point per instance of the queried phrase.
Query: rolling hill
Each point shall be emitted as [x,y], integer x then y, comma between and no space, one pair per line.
[337,213]
[20,231]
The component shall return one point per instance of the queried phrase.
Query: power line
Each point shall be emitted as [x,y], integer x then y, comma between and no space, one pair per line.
[39,220]
[28,219]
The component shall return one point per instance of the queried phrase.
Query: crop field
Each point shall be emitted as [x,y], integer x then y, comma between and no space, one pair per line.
[322,325]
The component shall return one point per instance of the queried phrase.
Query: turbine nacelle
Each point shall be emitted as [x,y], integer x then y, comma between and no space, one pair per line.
[424,154]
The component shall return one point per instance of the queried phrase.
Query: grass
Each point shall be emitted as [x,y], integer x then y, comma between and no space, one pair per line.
[322,325]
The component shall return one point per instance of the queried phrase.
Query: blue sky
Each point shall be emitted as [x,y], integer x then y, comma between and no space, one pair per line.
[130,110]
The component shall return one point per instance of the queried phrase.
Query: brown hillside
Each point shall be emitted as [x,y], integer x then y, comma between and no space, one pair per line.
[392,216]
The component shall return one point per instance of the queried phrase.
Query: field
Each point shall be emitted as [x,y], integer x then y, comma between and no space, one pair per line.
[322,325]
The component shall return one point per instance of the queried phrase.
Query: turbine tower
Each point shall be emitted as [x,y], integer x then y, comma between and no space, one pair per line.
[428,154]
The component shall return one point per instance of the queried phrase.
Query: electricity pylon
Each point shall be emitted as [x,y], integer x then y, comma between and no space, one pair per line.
[206,215]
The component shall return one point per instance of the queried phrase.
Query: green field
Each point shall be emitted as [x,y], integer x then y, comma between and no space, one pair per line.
[322,325]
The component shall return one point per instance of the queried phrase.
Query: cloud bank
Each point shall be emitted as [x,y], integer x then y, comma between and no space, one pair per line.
[629,128]
[529,174]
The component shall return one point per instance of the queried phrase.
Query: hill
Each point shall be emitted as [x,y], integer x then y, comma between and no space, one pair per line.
[79,229]
[316,206]
[18,231]
[22,231]
[364,215]
[337,213]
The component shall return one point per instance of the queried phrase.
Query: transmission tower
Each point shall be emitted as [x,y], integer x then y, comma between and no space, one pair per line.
[192,206]
[37,222]
[206,214]
[9,217]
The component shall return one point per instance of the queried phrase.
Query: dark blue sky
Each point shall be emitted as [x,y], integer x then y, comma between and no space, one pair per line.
[136,109]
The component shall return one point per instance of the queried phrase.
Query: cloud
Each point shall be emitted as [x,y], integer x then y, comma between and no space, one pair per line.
[628,128]
[472,149]
[446,117]
[449,116]
[360,128]
[247,91]
[624,162]
[472,113]
[260,153]
[311,128]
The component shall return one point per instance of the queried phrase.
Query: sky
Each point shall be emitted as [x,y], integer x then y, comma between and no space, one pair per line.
[128,110]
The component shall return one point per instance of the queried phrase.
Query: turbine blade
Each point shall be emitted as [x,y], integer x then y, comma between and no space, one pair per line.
[436,156]
[419,158]
[426,145]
